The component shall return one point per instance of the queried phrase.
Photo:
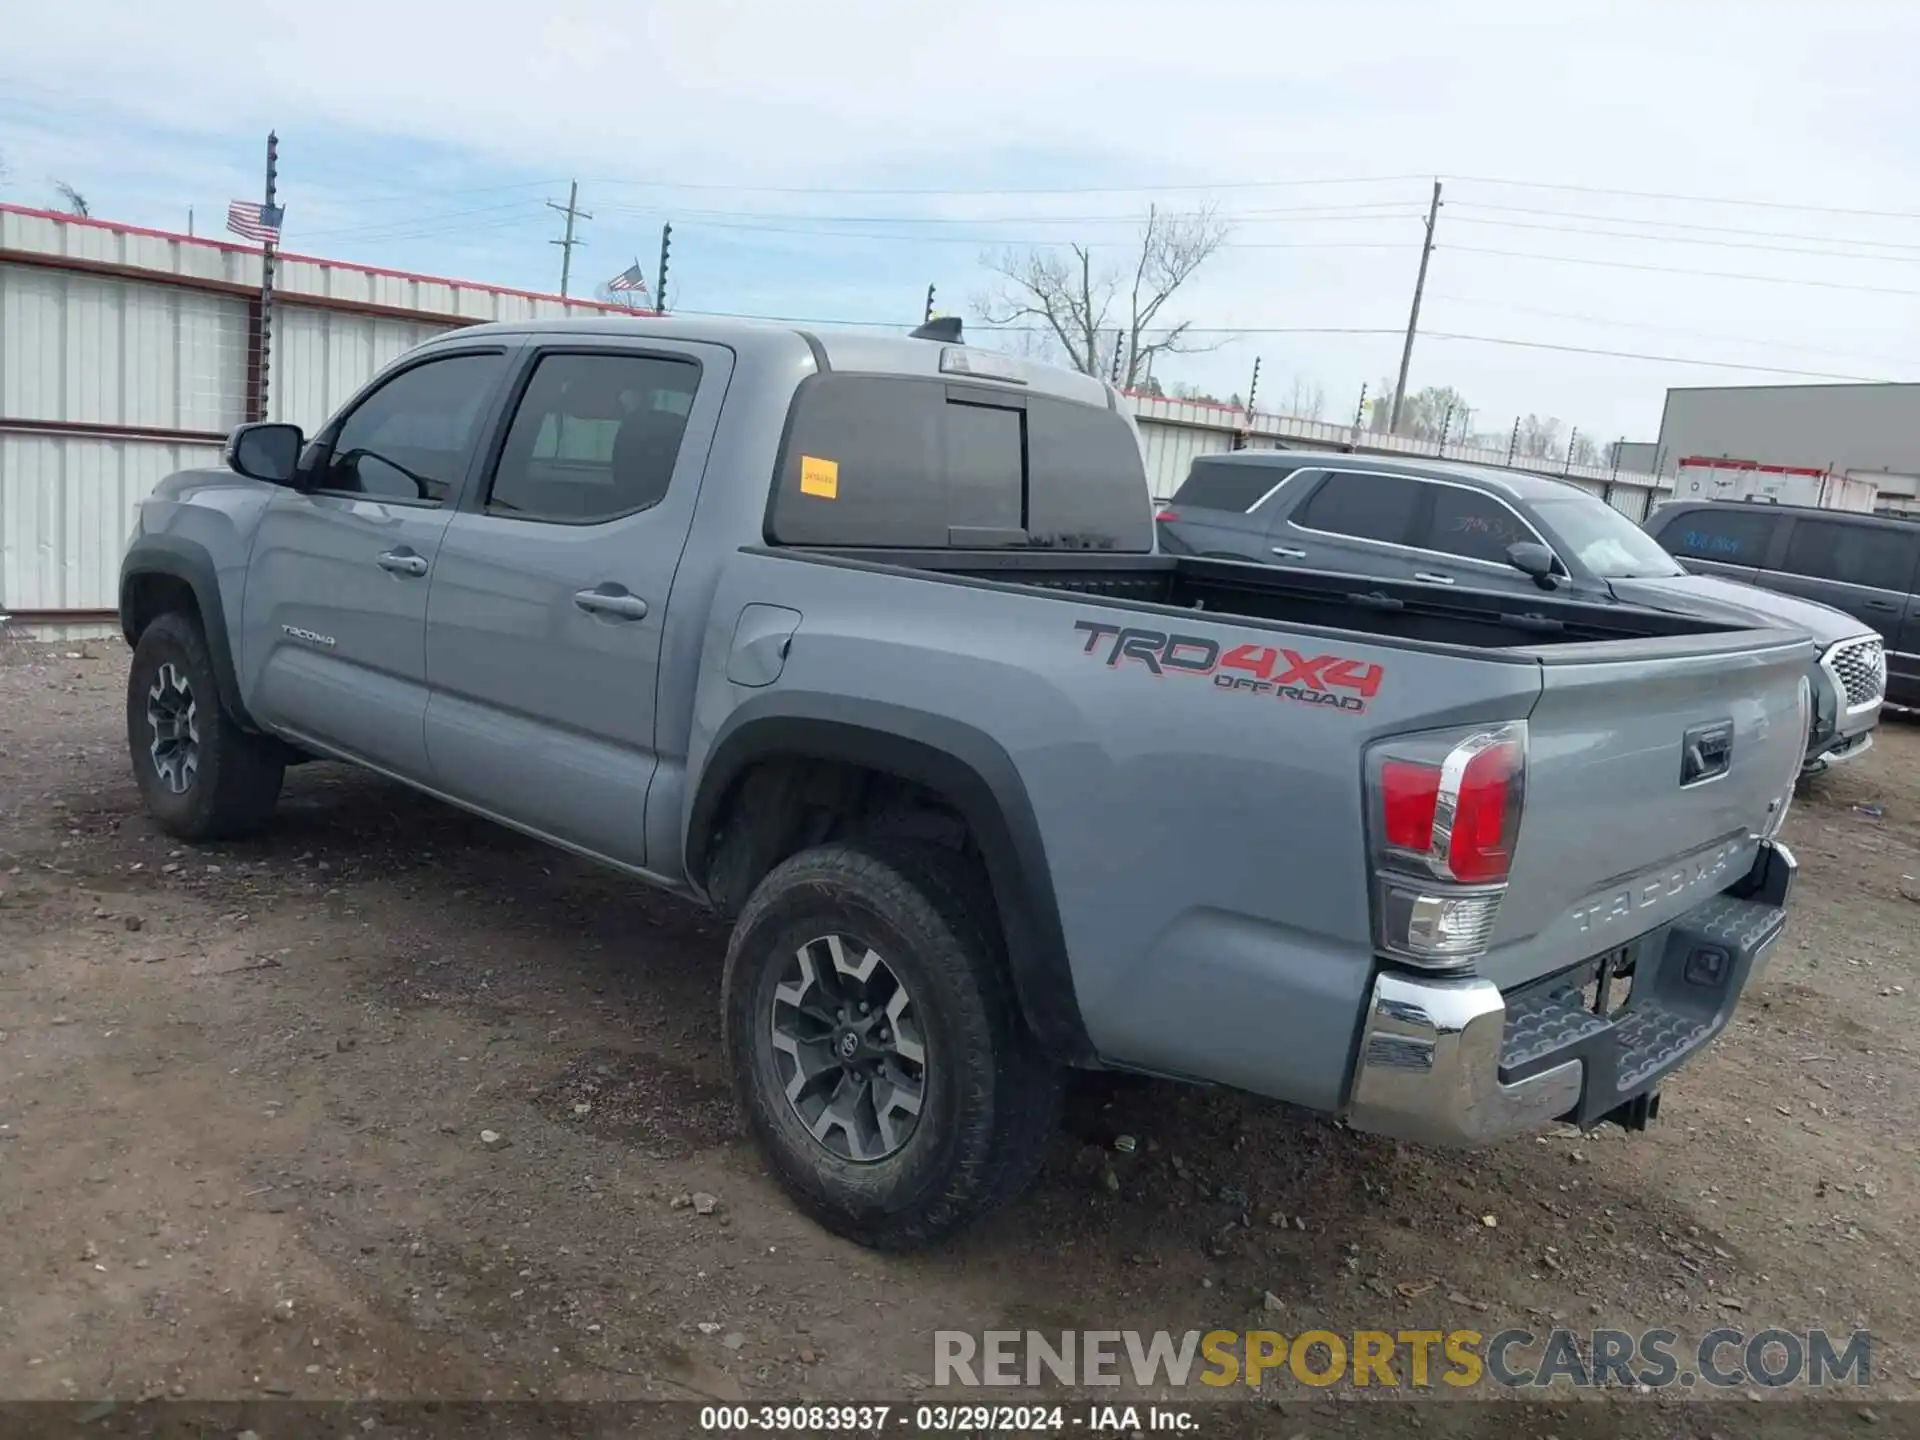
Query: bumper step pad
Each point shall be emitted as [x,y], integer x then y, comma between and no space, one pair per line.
[1686,981]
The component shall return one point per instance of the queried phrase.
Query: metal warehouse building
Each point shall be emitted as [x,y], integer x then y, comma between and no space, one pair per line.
[1868,431]
[127,353]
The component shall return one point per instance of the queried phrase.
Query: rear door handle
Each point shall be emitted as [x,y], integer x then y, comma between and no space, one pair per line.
[615,604]
[1287,552]
[403,562]
[1881,605]
[1433,577]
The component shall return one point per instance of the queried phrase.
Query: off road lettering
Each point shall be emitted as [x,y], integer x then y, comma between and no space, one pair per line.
[1331,681]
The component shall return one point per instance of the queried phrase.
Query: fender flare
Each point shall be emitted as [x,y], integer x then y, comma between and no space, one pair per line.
[189,562]
[965,766]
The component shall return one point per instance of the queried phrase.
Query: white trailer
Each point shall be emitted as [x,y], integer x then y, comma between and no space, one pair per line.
[1702,477]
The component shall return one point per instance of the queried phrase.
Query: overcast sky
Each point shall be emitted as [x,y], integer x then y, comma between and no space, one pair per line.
[829,159]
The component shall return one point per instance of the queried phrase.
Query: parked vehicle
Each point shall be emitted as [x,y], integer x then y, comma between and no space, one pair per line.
[1442,524]
[1865,565]
[863,642]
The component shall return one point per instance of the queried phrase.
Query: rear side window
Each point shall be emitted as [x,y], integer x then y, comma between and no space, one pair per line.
[1219,485]
[1872,555]
[1472,525]
[1367,507]
[907,463]
[1733,537]
[595,437]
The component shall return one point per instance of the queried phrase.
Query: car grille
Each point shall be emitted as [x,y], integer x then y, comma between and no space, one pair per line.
[1860,667]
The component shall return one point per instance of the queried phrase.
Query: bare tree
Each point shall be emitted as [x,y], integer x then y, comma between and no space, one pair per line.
[1092,311]
[1539,438]
[1584,451]
[74,202]
[1306,399]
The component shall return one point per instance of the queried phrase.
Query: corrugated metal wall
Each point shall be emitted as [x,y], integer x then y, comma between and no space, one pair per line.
[100,351]
[66,506]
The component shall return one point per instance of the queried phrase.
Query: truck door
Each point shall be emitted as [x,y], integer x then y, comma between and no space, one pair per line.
[333,648]
[547,616]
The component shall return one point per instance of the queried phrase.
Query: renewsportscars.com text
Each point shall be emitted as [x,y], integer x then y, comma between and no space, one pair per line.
[1405,1359]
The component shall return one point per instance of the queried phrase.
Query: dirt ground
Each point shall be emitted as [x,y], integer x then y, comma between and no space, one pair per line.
[243,1093]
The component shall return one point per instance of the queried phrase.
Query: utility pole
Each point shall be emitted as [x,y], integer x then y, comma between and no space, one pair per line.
[566,243]
[1413,319]
[269,216]
[660,275]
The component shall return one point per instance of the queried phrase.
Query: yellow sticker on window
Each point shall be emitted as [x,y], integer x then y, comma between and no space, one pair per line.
[819,477]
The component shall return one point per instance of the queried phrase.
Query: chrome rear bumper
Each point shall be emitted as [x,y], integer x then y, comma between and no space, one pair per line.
[1455,1062]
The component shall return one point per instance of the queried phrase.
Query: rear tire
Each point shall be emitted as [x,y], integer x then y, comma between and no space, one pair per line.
[201,775]
[887,1149]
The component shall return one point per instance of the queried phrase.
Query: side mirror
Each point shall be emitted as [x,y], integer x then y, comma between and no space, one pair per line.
[1534,560]
[266,451]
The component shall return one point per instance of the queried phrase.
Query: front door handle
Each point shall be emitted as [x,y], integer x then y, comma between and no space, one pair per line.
[1433,577]
[615,604]
[403,562]
[1881,605]
[1287,552]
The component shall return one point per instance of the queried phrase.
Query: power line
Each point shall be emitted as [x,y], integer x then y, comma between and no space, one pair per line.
[1685,240]
[1641,355]
[1679,270]
[1183,187]
[1250,330]
[1686,199]
[1684,225]
[1674,330]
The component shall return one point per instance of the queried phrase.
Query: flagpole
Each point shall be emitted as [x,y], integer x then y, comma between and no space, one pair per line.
[266,277]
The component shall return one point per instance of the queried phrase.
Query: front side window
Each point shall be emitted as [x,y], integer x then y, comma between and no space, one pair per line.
[594,437]
[410,440]
[1473,525]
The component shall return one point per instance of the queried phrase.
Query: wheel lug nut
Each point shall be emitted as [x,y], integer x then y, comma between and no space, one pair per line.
[863,1007]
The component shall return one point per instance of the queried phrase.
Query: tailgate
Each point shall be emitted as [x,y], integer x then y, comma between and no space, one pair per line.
[1649,783]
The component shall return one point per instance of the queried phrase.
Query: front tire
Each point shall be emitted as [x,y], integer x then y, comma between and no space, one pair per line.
[877,1050]
[202,777]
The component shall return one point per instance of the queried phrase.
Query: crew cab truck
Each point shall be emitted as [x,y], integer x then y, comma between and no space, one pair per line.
[865,643]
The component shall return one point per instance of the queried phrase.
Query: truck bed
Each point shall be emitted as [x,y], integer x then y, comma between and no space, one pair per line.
[1309,599]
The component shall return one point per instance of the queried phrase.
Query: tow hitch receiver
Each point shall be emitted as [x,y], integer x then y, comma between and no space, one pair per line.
[1635,1114]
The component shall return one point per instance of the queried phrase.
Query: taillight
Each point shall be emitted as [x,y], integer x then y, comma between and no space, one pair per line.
[1167,515]
[1409,792]
[1445,811]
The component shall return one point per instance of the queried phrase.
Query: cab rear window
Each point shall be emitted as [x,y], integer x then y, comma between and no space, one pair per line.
[902,462]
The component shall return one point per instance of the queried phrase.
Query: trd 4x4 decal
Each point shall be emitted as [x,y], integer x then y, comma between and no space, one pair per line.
[1330,680]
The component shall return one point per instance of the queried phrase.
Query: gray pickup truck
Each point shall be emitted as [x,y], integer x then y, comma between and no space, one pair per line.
[865,643]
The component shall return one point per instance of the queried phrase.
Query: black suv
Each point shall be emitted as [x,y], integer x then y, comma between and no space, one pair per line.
[1863,564]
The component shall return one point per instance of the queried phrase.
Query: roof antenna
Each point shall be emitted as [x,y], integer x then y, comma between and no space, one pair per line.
[944,328]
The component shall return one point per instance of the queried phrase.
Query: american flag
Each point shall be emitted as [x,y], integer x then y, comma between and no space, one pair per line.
[255,222]
[629,279]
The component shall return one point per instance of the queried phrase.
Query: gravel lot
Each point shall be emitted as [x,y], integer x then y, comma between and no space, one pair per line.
[245,1094]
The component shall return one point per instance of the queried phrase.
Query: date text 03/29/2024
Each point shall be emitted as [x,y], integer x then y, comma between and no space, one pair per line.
[1333,681]
[962,1419]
